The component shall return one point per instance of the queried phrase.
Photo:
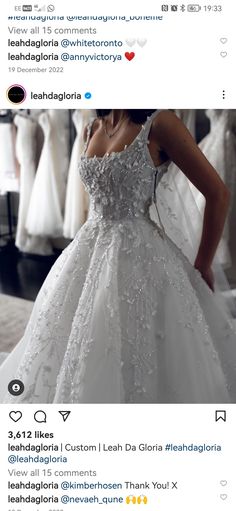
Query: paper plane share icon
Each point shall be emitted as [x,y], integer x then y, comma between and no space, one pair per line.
[65,414]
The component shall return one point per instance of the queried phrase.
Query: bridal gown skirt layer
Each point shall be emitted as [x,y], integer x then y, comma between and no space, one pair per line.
[124,317]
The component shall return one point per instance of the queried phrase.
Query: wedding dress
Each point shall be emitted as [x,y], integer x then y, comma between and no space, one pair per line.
[76,197]
[9,178]
[123,317]
[25,152]
[44,215]
[59,121]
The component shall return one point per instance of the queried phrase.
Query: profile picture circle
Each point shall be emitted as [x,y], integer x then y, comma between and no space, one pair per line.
[16,94]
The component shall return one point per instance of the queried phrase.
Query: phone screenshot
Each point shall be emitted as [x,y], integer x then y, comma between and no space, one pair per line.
[117,256]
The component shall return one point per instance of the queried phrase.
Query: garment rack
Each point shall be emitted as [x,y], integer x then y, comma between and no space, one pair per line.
[7,115]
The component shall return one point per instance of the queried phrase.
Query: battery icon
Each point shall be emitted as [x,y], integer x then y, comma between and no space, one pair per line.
[193,8]
[26,8]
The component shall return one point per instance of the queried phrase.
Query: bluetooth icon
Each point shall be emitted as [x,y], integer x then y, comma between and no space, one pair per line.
[182,8]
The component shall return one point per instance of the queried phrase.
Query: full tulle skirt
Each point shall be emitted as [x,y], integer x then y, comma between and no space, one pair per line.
[123,317]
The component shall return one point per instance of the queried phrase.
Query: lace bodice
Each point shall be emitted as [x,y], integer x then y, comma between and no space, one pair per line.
[122,184]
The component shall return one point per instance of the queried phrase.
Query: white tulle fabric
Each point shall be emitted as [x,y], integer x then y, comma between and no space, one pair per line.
[25,152]
[181,205]
[59,122]
[45,209]
[76,204]
[123,317]
[9,180]
[176,202]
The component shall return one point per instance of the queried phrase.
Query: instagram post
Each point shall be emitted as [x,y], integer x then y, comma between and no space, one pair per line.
[117,308]
[118,256]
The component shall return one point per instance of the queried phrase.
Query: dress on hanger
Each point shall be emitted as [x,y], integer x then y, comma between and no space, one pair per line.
[59,121]
[25,152]
[76,205]
[9,176]
[44,215]
[123,317]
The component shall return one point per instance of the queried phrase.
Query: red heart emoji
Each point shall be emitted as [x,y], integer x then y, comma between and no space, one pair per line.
[129,55]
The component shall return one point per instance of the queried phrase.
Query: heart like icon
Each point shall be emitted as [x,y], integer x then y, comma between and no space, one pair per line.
[130,42]
[223,482]
[15,416]
[223,40]
[223,496]
[223,53]
[129,55]
[141,42]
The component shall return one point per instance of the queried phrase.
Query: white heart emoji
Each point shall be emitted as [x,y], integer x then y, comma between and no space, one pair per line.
[141,42]
[130,42]
[223,53]
[223,40]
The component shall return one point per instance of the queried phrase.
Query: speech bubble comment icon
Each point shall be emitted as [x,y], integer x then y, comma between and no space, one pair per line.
[40,416]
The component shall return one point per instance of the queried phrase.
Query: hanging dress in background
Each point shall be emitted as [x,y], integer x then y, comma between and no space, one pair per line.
[76,205]
[59,120]
[9,173]
[25,152]
[44,215]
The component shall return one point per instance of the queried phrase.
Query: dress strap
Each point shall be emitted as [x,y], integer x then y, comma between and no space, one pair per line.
[147,125]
